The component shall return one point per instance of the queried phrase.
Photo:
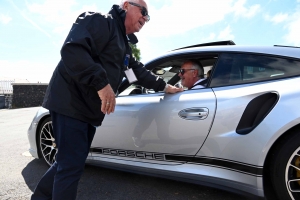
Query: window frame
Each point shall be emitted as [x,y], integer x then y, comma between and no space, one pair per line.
[159,61]
[215,69]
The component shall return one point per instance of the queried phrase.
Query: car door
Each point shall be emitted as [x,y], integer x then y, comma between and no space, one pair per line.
[159,122]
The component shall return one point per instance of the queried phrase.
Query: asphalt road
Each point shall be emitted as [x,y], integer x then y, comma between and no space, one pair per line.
[20,173]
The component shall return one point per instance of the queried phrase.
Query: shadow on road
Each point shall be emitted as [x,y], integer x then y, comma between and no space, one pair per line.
[102,183]
[33,172]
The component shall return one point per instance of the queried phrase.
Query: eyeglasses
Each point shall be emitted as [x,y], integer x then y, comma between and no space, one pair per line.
[144,11]
[182,71]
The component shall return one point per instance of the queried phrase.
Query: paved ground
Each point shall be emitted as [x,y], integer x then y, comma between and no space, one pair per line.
[19,173]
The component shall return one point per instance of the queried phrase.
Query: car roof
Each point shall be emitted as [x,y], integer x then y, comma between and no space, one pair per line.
[293,52]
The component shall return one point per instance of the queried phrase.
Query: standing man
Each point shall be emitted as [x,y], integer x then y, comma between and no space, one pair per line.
[191,74]
[94,59]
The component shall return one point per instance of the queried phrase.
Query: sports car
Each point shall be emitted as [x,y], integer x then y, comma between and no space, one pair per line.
[239,133]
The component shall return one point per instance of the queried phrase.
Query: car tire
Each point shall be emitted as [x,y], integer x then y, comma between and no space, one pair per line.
[284,173]
[46,142]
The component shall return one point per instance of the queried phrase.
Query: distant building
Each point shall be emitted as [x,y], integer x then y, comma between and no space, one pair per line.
[6,90]
[6,87]
[6,84]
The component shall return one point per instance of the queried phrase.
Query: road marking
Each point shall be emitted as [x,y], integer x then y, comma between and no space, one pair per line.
[27,154]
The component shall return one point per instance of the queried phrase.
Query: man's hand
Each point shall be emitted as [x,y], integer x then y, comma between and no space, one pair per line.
[171,89]
[108,99]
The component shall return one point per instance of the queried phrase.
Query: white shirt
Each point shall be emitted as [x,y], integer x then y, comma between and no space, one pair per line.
[198,86]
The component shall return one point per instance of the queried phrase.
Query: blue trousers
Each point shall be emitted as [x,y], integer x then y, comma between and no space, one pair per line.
[73,139]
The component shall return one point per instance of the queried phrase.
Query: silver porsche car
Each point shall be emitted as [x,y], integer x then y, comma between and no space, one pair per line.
[239,133]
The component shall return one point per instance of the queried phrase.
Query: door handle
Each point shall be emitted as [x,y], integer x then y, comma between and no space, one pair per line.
[194,113]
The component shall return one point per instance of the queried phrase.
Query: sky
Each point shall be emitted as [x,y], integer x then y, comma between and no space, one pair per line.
[32,31]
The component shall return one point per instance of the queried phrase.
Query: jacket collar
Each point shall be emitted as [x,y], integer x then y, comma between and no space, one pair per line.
[119,14]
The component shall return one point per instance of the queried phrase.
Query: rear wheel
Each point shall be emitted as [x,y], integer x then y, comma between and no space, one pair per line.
[285,168]
[46,142]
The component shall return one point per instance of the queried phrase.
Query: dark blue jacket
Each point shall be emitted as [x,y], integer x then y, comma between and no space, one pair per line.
[92,57]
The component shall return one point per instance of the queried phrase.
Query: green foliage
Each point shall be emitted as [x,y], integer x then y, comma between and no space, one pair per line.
[135,51]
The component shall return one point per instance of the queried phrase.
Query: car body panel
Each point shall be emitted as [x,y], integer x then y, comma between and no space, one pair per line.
[32,131]
[231,102]
[155,118]
[200,174]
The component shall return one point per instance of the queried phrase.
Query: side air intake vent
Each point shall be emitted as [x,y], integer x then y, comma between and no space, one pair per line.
[257,109]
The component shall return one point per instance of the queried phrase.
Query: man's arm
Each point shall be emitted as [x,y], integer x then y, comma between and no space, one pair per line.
[79,51]
[149,80]
[77,54]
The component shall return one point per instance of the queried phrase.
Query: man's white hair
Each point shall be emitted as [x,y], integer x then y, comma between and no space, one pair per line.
[196,65]
[123,1]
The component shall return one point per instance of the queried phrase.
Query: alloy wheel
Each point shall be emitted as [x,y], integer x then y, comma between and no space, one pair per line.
[47,143]
[292,175]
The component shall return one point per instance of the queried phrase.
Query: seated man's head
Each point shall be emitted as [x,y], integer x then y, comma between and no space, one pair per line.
[190,72]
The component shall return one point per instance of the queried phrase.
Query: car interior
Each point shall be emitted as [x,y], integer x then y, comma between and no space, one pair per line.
[168,71]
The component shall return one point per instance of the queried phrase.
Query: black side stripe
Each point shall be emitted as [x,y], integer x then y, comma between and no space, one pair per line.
[214,162]
[227,164]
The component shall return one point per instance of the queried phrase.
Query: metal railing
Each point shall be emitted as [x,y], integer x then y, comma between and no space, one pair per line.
[6,87]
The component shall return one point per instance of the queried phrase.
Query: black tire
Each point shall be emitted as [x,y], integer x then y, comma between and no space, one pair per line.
[46,142]
[284,173]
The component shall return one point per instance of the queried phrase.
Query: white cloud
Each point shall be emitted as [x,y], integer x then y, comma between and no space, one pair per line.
[5,19]
[211,37]
[25,16]
[32,71]
[252,11]
[54,12]
[59,14]
[226,34]
[240,10]
[292,37]
[278,18]
[291,24]
[177,17]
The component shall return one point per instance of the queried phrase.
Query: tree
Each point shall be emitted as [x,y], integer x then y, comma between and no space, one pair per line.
[135,51]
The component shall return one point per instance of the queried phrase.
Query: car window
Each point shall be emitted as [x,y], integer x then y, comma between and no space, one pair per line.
[166,73]
[234,69]
[167,69]
[129,90]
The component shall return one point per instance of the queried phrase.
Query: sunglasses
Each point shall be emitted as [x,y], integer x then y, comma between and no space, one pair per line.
[144,11]
[182,71]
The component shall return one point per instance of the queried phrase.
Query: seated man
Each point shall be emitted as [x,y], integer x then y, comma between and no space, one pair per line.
[192,75]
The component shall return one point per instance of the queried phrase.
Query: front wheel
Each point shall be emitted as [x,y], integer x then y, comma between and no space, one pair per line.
[46,142]
[285,168]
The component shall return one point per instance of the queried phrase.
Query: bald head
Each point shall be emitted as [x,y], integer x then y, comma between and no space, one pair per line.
[123,1]
[136,15]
